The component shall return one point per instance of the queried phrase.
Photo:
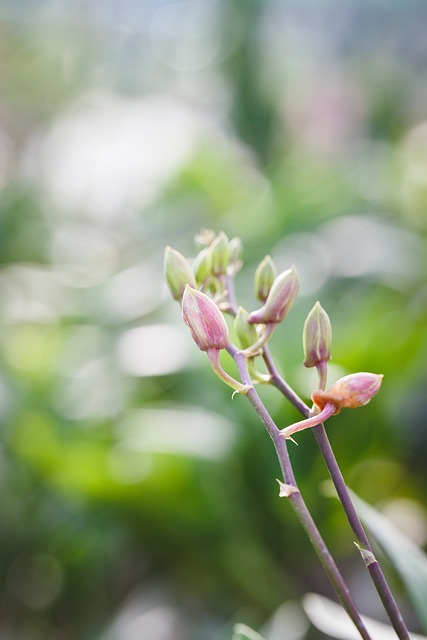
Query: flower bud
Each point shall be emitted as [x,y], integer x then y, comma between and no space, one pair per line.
[220,254]
[264,277]
[202,266]
[204,238]
[280,299]
[317,337]
[178,272]
[236,249]
[245,332]
[205,320]
[350,392]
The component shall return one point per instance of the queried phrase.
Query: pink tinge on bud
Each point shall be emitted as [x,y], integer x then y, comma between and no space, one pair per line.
[205,320]
[280,299]
[354,390]
[351,391]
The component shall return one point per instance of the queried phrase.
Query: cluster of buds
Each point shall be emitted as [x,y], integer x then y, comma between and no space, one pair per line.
[204,290]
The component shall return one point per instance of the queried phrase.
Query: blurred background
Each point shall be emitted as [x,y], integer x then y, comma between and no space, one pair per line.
[137,500]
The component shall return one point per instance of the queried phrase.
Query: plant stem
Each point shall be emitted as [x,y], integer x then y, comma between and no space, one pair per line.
[362,541]
[296,498]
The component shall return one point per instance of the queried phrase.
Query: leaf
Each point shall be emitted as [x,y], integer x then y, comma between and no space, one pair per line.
[330,618]
[406,557]
[243,632]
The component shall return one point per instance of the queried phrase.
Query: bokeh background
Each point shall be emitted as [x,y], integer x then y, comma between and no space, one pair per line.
[137,500]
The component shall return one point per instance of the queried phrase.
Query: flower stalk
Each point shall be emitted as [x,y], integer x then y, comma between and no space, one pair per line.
[218,264]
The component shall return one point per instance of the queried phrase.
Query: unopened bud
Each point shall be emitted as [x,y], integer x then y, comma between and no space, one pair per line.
[236,249]
[354,390]
[204,238]
[317,337]
[349,392]
[178,272]
[245,332]
[264,277]
[280,299]
[205,320]
[220,254]
[202,266]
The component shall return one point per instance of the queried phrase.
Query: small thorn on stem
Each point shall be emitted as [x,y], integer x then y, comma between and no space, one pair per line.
[367,556]
[286,490]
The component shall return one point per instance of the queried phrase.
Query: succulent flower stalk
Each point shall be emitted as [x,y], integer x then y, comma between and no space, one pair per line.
[280,299]
[178,272]
[317,337]
[248,337]
[265,275]
[352,391]
[264,336]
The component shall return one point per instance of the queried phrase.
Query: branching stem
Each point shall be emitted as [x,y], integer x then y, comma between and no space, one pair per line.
[296,499]
[362,541]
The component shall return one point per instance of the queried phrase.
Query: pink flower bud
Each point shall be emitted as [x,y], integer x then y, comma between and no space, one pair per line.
[206,322]
[280,299]
[178,272]
[350,392]
[317,337]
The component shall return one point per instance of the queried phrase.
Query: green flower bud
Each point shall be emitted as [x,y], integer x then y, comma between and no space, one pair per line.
[204,238]
[317,337]
[246,333]
[220,254]
[264,277]
[178,272]
[202,266]
[236,249]
[280,299]
[205,320]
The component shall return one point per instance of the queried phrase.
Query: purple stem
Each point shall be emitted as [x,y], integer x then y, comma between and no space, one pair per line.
[322,439]
[296,498]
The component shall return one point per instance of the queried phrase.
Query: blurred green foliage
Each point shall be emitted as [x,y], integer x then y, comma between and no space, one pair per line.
[130,483]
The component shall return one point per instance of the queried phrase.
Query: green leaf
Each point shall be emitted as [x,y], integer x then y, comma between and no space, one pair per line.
[407,558]
[243,632]
[330,618]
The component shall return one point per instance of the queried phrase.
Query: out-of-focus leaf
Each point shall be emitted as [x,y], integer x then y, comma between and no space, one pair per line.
[330,618]
[288,621]
[409,560]
[243,632]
